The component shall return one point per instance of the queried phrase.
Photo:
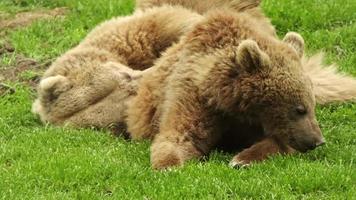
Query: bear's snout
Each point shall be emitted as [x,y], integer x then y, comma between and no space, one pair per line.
[310,136]
[318,142]
[309,143]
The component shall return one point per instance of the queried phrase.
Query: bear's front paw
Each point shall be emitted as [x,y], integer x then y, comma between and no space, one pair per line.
[238,163]
[165,155]
[166,162]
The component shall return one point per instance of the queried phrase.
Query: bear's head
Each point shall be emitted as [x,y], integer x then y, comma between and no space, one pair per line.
[270,87]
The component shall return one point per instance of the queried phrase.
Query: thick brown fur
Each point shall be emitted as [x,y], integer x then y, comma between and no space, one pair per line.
[90,84]
[79,87]
[225,68]
[199,5]
[102,78]
[204,6]
[329,84]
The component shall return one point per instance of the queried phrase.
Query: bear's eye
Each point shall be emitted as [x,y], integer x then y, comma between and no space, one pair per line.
[301,110]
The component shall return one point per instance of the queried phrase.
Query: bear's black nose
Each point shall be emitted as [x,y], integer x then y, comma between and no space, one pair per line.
[311,146]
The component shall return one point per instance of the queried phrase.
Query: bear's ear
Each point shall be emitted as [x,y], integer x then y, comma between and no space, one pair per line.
[296,41]
[250,56]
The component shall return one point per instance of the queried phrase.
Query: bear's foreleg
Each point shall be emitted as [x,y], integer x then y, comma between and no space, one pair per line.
[188,130]
[173,149]
[260,151]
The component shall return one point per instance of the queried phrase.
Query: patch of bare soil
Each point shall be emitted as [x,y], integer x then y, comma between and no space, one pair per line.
[27,18]
[4,15]
[22,69]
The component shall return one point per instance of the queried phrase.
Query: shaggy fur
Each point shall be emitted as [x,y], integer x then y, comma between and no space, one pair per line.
[329,85]
[341,88]
[225,69]
[202,7]
[138,49]
[90,84]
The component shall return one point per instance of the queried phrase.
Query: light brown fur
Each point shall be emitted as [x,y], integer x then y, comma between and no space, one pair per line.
[199,5]
[114,83]
[329,84]
[90,84]
[247,6]
[204,6]
[214,73]
[141,51]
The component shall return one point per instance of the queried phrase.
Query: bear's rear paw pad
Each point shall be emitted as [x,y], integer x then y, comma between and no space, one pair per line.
[238,163]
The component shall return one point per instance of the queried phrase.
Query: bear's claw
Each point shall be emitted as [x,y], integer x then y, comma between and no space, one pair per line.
[238,164]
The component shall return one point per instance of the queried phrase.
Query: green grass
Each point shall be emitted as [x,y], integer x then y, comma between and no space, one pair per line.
[45,162]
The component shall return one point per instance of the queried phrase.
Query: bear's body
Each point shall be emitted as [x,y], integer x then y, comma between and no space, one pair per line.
[90,84]
[217,75]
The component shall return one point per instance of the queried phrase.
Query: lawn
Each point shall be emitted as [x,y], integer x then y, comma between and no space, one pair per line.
[44,162]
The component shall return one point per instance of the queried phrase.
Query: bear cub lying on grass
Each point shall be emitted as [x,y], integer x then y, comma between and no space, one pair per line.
[89,85]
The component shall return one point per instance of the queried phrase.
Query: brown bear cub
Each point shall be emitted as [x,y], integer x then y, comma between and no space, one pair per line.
[226,69]
[89,85]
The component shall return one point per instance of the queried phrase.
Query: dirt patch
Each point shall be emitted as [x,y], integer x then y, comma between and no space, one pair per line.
[22,69]
[6,48]
[27,18]
[4,15]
